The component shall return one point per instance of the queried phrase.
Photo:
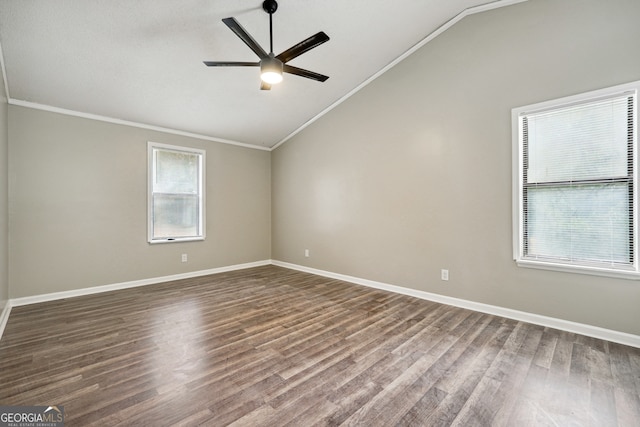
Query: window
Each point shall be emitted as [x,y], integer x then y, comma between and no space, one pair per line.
[575,183]
[176,198]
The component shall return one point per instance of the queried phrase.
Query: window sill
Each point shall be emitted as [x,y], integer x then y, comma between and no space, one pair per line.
[594,271]
[176,240]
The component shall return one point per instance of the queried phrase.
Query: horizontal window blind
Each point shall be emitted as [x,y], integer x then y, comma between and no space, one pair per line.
[578,183]
[176,196]
[584,142]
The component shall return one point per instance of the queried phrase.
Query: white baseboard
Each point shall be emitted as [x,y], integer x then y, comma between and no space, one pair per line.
[536,319]
[565,325]
[15,302]
[4,316]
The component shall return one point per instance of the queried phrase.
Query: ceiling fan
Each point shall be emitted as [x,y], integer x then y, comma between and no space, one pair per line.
[272,66]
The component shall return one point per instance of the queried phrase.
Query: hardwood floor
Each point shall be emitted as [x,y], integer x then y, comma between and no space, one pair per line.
[274,347]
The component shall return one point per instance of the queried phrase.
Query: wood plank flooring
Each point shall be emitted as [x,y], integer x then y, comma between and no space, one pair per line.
[275,347]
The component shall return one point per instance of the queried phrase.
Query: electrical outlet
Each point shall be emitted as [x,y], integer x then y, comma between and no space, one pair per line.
[306,253]
[444,274]
[184,257]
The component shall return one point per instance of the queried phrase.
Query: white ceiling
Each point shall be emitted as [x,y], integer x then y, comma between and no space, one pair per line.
[141,61]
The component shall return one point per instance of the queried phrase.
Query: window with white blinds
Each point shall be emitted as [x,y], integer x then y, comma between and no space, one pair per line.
[576,183]
[175,196]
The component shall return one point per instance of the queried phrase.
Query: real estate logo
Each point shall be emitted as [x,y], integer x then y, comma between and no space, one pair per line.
[31,416]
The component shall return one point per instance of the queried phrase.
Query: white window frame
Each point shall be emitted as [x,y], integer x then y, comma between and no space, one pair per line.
[151,146]
[517,114]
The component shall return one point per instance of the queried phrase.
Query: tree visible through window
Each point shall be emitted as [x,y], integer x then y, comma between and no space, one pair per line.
[576,182]
[175,193]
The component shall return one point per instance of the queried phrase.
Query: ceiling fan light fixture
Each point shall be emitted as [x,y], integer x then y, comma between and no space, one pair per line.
[271,77]
[271,70]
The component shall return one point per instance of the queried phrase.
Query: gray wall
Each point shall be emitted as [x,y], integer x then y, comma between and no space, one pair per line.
[4,199]
[79,213]
[413,173]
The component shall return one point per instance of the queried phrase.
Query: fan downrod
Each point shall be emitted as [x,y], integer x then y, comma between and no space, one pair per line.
[270,6]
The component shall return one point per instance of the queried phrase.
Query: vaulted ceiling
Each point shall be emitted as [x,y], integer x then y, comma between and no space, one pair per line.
[141,61]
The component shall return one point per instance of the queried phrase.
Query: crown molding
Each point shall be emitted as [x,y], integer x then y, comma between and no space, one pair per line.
[52,109]
[450,23]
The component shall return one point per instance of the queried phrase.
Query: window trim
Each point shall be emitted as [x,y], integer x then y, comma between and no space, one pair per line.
[201,185]
[633,271]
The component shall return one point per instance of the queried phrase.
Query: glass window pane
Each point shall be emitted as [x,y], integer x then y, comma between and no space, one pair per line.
[579,223]
[579,142]
[176,172]
[175,215]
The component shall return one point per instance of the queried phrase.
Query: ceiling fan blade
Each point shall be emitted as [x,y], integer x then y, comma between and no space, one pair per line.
[245,37]
[302,47]
[304,73]
[230,64]
[264,86]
